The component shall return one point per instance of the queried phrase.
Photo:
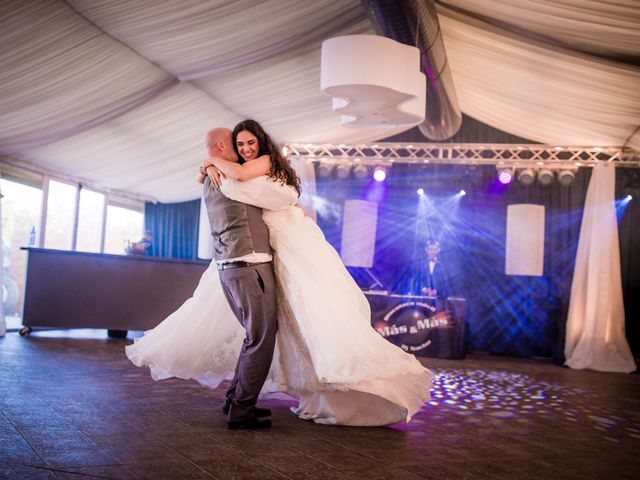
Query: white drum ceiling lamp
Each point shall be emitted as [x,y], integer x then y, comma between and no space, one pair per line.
[374,81]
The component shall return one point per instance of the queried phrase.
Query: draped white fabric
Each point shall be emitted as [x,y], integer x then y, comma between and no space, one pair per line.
[60,75]
[153,150]
[595,336]
[121,92]
[202,38]
[609,28]
[546,94]
[3,321]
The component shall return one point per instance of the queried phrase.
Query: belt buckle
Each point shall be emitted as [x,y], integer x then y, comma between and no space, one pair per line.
[230,265]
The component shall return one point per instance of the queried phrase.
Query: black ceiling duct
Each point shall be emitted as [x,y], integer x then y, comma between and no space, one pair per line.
[415,22]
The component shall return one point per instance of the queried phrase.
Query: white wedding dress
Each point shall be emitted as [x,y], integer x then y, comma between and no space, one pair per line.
[327,354]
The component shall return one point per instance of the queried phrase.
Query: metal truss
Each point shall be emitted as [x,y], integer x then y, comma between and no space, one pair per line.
[507,155]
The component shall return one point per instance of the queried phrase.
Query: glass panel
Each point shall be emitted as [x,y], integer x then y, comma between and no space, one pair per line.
[123,226]
[20,217]
[90,221]
[60,207]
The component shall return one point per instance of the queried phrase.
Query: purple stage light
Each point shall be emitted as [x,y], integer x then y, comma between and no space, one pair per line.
[420,191]
[379,174]
[462,193]
[505,177]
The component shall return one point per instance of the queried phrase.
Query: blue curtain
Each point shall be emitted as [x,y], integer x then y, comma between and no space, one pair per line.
[174,227]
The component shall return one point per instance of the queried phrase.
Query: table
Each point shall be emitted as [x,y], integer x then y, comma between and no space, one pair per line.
[69,289]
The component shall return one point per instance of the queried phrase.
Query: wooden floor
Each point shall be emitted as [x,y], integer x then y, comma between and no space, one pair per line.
[72,406]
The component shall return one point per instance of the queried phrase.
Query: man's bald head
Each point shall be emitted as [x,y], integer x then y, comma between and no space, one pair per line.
[220,144]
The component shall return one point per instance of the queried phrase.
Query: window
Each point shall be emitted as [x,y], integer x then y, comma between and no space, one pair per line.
[123,225]
[21,221]
[90,221]
[20,217]
[60,210]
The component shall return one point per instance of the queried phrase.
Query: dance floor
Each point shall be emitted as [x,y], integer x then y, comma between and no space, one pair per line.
[72,406]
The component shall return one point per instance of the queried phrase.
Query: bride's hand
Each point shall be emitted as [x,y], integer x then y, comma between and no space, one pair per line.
[215,176]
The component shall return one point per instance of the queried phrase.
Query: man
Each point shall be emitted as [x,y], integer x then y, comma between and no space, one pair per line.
[244,258]
[436,279]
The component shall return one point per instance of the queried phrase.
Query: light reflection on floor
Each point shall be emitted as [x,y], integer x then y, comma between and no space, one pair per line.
[512,396]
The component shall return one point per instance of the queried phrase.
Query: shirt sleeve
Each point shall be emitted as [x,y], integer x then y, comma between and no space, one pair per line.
[260,192]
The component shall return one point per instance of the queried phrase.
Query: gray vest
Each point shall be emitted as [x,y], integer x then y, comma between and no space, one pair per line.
[237,228]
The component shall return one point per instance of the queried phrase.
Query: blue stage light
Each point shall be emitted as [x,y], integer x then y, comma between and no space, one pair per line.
[420,191]
[462,193]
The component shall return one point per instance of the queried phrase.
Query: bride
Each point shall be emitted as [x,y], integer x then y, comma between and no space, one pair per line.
[327,354]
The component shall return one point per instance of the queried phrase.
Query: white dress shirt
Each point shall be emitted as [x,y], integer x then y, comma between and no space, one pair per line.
[432,265]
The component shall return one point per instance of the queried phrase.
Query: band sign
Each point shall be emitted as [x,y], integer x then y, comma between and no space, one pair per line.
[410,324]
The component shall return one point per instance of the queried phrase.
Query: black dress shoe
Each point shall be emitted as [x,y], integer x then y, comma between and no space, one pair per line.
[251,424]
[259,412]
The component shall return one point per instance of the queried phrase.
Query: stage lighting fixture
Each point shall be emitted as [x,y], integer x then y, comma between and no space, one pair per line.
[566,177]
[379,174]
[526,176]
[628,198]
[505,175]
[360,171]
[420,191]
[462,193]
[545,176]
[324,170]
[343,171]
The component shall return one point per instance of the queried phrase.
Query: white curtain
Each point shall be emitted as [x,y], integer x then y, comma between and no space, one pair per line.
[205,240]
[595,325]
[3,321]
[609,28]
[537,90]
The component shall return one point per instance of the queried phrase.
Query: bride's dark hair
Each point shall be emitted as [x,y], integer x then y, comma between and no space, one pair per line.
[280,168]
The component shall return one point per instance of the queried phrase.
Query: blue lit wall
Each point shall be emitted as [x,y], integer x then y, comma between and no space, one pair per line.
[510,315]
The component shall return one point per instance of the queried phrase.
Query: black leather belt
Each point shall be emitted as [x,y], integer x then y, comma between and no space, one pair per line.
[230,265]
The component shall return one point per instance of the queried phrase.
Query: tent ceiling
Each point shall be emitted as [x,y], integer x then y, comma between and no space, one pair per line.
[536,68]
[121,92]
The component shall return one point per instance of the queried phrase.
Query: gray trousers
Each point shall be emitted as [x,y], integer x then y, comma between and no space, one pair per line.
[251,293]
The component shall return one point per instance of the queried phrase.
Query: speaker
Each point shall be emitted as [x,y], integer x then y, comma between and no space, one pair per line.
[525,240]
[359,224]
